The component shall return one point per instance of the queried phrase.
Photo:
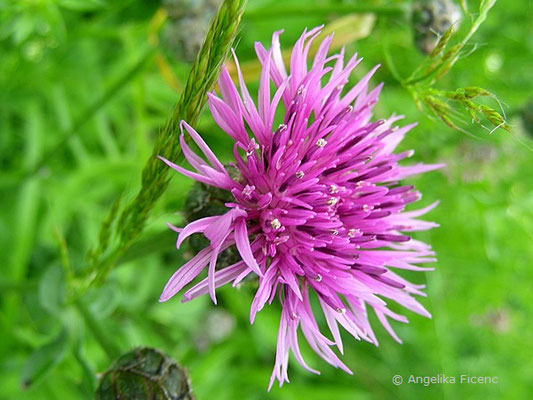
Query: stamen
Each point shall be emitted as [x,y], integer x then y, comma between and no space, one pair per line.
[333,200]
[252,147]
[318,278]
[300,174]
[275,224]
[248,190]
[321,142]
[333,189]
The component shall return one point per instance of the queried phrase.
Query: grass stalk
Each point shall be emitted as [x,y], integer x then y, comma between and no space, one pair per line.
[154,180]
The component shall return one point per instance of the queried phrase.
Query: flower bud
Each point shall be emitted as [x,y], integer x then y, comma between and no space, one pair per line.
[144,373]
[187,26]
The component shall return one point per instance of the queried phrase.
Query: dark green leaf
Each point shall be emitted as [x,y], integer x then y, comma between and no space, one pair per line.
[44,360]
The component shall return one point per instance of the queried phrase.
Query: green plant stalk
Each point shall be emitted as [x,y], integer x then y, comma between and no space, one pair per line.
[154,181]
[413,79]
[104,339]
[320,10]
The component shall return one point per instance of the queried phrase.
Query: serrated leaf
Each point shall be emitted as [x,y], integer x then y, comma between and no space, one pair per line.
[52,291]
[44,360]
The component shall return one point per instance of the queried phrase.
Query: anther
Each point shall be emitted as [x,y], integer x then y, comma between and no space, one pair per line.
[252,147]
[248,190]
[321,142]
[275,224]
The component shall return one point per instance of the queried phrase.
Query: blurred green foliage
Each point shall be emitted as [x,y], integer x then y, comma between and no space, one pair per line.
[83,94]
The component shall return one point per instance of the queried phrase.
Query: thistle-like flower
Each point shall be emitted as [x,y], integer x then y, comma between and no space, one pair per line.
[316,211]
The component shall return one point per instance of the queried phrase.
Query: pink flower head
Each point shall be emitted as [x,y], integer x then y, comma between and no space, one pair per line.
[317,210]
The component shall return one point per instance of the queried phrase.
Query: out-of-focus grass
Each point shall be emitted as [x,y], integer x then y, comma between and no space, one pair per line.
[60,58]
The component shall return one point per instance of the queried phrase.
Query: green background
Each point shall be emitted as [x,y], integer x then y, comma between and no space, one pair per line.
[87,68]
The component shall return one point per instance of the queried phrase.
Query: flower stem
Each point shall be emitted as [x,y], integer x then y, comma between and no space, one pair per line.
[320,10]
[454,55]
[108,345]
[154,181]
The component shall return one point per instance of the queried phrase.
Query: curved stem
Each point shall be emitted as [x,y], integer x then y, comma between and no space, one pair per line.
[108,345]
[319,10]
[155,179]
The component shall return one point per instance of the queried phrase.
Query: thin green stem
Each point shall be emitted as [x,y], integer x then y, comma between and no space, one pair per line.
[106,342]
[387,54]
[319,10]
[413,79]
[154,180]
[22,286]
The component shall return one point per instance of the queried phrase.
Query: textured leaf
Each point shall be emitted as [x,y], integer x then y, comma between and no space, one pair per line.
[44,360]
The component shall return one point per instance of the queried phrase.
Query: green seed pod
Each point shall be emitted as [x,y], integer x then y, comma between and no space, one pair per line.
[144,374]
[442,43]
[439,106]
[492,115]
[431,19]
[472,92]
